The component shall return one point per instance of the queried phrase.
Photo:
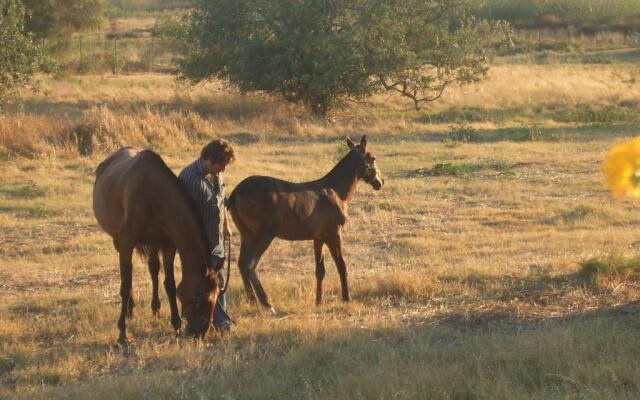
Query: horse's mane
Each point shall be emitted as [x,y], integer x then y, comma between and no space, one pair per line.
[341,164]
[191,204]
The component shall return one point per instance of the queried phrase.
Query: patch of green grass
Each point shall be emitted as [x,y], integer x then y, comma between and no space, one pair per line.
[465,115]
[608,114]
[39,211]
[28,190]
[462,117]
[570,56]
[467,134]
[584,215]
[503,168]
[464,134]
[531,133]
[615,265]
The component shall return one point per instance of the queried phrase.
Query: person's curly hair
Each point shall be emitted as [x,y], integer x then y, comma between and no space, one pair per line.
[218,151]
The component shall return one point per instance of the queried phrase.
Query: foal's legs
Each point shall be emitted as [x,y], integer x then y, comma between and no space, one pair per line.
[317,251]
[254,251]
[154,269]
[335,247]
[168,256]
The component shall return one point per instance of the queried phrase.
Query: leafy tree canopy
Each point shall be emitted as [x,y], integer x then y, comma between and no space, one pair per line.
[320,52]
[19,56]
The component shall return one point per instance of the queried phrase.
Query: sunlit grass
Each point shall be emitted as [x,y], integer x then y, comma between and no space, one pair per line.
[468,270]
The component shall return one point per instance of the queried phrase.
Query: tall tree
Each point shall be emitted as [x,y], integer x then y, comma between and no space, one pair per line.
[19,56]
[320,52]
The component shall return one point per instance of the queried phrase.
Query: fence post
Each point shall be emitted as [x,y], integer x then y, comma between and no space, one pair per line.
[115,55]
[153,53]
[80,47]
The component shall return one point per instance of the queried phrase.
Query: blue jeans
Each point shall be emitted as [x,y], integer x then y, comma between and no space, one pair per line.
[221,319]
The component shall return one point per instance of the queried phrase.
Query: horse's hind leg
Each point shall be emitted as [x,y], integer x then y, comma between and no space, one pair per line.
[168,256]
[256,250]
[320,270]
[244,261]
[154,270]
[128,237]
[126,252]
[130,303]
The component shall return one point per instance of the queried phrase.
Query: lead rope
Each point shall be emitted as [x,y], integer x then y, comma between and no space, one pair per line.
[226,284]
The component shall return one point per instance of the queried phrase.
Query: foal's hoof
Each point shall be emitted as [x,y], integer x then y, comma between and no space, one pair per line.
[267,310]
[124,344]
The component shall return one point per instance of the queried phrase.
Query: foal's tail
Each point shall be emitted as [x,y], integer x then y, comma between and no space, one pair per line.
[235,216]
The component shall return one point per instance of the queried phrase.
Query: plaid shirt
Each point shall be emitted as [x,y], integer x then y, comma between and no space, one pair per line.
[209,199]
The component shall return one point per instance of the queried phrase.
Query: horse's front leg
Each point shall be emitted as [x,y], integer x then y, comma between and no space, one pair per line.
[320,270]
[335,247]
[154,269]
[168,256]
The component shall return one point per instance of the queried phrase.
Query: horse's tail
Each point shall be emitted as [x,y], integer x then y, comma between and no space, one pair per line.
[146,251]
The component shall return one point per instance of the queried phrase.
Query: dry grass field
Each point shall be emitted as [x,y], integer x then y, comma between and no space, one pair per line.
[493,264]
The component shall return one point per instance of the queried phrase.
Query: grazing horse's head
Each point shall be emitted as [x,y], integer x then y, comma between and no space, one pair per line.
[369,172]
[198,298]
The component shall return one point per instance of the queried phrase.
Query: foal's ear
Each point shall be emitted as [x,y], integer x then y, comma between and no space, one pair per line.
[363,142]
[350,143]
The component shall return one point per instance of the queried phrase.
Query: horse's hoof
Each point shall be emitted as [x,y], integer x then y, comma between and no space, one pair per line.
[176,324]
[155,309]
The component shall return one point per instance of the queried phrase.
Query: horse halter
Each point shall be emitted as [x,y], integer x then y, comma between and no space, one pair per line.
[369,171]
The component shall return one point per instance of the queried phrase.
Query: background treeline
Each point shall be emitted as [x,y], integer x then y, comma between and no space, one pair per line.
[125,35]
[584,16]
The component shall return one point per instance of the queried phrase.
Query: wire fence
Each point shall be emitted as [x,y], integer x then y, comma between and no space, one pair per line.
[113,52]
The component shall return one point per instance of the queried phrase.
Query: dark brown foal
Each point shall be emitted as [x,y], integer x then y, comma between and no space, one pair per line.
[264,208]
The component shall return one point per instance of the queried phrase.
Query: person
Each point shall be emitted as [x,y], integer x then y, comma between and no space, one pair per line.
[203,180]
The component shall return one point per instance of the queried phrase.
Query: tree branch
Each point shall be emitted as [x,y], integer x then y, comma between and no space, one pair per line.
[402,87]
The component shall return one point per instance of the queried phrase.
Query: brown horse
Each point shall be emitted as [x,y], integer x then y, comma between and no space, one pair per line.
[264,208]
[139,202]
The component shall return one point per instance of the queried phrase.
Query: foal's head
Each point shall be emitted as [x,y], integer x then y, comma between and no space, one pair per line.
[198,298]
[369,171]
